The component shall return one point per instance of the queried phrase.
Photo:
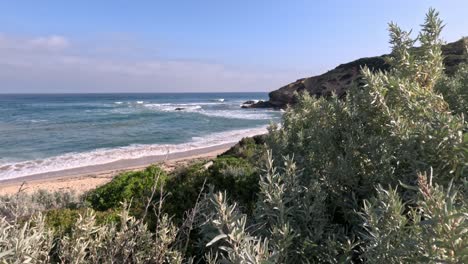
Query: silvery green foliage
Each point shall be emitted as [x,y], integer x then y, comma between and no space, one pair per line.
[24,204]
[422,131]
[230,242]
[392,128]
[388,131]
[287,222]
[431,230]
[424,65]
[290,213]
[28,242]
[388,228]
[129,241]
[455,90]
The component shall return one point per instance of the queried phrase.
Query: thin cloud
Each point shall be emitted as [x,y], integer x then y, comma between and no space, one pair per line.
[39,44]
[50,42]
[55,64]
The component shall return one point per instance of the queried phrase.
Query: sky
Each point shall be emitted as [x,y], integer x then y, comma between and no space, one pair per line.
[196,46]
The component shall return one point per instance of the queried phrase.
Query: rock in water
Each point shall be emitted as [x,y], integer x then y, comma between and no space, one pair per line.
[255,104]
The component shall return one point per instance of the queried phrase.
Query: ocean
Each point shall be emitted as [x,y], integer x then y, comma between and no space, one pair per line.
[53,132]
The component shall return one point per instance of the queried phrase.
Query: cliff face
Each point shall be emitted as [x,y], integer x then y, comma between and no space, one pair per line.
[340,79]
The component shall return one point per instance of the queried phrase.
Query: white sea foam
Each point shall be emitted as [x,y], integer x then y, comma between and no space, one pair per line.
[139,102]
[118,103]
[239,114]
[199,108]
[103,156]
[174,107]
[38,120]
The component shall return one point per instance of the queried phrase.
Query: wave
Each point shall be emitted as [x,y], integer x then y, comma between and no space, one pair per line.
[107,155]
[174,107]
[198,108]
[219,100]
[185,104]
[239,114]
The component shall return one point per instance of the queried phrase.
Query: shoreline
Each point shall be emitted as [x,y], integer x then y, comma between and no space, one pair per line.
[86,178]
[68,161]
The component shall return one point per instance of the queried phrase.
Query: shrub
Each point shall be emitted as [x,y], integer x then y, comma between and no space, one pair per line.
[129,186]
[84,236]
[230,241]
[23,204]
[129,241]
[62,220]
[251,149]
[431,230]
[236,175]
[455,90]
[183,188]
[286,226]
[28,242]
[387,131]
[394,128]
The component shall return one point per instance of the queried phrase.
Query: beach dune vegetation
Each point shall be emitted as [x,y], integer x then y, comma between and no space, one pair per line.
[380,177]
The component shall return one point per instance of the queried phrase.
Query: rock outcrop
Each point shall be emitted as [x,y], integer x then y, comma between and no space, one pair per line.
[340,79]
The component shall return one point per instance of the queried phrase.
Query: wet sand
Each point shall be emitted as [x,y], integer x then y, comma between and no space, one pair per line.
[86,178]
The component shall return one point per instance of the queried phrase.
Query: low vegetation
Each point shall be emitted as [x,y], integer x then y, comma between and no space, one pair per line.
[130,186]
[380,177]
[235,175]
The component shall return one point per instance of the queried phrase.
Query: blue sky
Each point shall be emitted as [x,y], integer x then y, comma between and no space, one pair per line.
[195,46]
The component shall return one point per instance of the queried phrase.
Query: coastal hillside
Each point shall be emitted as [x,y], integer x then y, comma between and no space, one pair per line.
[340,79]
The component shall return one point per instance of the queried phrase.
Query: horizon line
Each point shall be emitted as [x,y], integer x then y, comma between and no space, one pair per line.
[65,93]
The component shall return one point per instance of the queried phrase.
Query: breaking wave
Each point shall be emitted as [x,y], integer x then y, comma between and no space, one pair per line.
[106,155]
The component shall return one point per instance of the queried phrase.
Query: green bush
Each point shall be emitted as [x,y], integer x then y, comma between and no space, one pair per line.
[128,241]
[430,229]
[130,186]
[24,204]
[63,220]
[455,90]
[236,175]
[183,189]
[251,149]
[387,132]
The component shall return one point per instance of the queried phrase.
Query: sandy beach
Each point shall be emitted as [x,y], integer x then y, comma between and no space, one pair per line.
[83,179]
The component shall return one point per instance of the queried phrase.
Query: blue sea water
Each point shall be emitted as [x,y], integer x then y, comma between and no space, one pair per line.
[51,132]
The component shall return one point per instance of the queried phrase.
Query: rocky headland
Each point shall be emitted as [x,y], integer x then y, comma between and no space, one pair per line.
[341,78]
